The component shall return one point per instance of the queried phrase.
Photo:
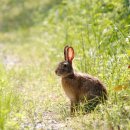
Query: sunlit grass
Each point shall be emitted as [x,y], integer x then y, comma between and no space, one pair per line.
[31,95]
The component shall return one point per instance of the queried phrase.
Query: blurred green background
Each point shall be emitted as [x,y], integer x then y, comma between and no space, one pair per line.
[32,37]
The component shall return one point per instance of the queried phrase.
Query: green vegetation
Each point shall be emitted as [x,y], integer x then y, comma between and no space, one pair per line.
[32,37]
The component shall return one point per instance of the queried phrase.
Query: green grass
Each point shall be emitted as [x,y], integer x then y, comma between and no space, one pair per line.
[32,39]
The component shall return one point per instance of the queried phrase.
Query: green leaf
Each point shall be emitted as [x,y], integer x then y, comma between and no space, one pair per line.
[128,52]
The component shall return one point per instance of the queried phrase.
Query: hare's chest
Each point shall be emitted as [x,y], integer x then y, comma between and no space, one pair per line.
[70,89]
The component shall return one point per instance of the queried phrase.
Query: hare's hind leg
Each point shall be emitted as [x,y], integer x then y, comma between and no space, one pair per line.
[90,105]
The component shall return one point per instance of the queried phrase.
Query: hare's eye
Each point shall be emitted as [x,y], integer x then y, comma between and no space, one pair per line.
[65,65]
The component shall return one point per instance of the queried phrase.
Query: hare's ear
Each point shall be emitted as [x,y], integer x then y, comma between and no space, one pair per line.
[70,54]
[65,53]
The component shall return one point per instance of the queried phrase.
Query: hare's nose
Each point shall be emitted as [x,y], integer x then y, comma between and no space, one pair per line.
[56,71]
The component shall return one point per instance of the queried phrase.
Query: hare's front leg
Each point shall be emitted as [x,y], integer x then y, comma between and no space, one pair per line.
[74,106]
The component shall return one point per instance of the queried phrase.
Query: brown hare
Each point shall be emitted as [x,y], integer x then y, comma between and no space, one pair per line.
[80,88]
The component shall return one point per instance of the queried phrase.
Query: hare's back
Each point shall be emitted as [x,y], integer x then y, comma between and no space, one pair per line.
[91,85]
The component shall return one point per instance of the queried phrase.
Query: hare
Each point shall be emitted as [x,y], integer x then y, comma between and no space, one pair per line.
[79,87]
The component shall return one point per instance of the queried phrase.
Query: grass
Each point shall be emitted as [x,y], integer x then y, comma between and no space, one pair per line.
[31,96]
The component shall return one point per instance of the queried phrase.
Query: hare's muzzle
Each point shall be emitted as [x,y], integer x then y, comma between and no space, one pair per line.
[56,72]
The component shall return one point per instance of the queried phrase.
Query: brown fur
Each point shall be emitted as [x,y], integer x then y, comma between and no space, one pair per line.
[80,87]
[77,87]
